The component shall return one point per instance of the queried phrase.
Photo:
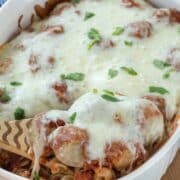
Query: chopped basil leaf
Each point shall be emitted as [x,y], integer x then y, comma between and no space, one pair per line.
[160,64]
[19,113]
[108,92]
[166,75]
[112,73]
[73,117]
[92,43]
[118,31]
[111,98]
[75,1]
[95,91]
[15,83]
[73,76]
[95,36]
[160,90]
[5,97]
[36,176]
[88,15]
[129,70]
[128,43]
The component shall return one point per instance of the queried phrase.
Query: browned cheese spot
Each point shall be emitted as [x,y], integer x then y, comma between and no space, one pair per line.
[130,3]
[140,29]
[174,58]
[4,65]
[61,89]
[33,63]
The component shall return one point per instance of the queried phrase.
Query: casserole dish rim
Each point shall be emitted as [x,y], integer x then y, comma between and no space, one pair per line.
[174,139]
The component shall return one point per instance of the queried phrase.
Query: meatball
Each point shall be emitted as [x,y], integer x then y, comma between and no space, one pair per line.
[61,89]
[140,29]
[119,155]
[68,145]
[158,101]
[4,65]
[172,15]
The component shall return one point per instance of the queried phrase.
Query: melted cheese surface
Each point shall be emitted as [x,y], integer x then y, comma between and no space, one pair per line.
[98,117]
[106,122]
[70,52]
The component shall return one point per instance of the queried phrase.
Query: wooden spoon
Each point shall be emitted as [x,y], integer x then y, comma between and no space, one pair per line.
[14,137]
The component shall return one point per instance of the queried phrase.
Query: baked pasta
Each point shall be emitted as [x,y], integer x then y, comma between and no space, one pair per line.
[100,80]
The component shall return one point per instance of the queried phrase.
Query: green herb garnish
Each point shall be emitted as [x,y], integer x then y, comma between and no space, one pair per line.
[156,89]
[168,73]
[118,31]
[128,43]
[112,73]
[129,70]
[95,36]
[92,43]
[19,113]
[88,15]
[160,64]
[73,76]
[108,92]
[75,1]
[15,83]
[111,98]
[4,98]
[73,117]
[36,176]
[95,91]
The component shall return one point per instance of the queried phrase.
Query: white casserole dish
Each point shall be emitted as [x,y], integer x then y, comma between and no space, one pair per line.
[152,169]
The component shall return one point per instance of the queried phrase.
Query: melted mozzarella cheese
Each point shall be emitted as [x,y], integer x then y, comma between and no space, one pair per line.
[98,117]
[69,49]
[54,115]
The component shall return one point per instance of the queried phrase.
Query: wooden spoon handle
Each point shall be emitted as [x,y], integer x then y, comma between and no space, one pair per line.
[14,136]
